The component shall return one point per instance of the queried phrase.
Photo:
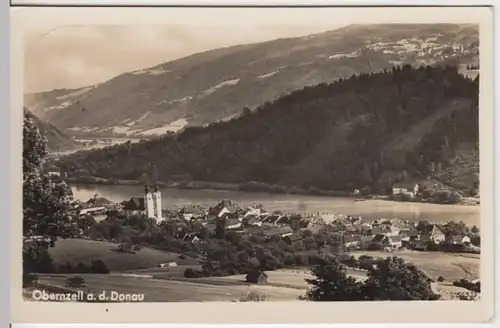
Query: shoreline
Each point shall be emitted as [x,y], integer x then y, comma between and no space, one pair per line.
[257,187]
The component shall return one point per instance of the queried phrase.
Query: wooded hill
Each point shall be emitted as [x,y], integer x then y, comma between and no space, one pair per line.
[216,85]
[56,139]
[370,130]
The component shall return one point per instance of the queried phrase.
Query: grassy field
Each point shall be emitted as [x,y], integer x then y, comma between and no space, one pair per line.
[281,278]
[159,290]
[449,265]
[168,285]
[75,251]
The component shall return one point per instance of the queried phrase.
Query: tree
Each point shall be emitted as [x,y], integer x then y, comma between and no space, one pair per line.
[46,203]
[474,230]
[98,266]
[332,283]
[75,282]
[393,279]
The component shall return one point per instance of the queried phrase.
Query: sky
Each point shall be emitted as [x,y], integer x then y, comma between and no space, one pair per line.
[76,47]
[76,56]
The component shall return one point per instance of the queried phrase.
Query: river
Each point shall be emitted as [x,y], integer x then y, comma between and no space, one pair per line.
[369,209]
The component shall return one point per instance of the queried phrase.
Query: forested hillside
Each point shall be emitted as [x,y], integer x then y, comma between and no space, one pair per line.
[56,139]
[369,130]
[216,85]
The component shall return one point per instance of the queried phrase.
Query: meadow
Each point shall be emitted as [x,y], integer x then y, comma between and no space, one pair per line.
[451,266]
[84,251]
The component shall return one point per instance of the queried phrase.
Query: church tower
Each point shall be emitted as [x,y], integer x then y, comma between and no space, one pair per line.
[157,202]
[148,198]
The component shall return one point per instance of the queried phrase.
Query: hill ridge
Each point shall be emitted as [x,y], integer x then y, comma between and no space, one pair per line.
[218,84]
[279,142]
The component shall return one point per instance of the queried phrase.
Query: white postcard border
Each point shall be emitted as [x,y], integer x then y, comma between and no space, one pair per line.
[267,312]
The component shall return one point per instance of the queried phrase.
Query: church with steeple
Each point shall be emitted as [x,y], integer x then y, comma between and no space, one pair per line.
[153,206]
[149,205]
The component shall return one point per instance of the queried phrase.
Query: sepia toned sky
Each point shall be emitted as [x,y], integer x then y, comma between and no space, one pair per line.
[75,47]
[75,56]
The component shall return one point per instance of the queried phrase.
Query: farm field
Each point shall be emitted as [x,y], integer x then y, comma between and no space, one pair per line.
[452,266]
[159,290]
[75,251]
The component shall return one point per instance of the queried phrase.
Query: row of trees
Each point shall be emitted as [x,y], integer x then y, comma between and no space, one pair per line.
[388,279]
[352,123]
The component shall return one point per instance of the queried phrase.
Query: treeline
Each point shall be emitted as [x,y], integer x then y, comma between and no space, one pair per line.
[390,279]
[337,136]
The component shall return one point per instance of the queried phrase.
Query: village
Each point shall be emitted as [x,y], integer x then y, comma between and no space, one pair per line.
[355,233]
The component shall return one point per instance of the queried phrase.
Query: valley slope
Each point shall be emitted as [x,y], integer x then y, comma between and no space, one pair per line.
[402,125]
[217,85]
[57,141]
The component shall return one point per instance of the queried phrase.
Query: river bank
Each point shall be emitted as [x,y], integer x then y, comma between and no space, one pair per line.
[258,187]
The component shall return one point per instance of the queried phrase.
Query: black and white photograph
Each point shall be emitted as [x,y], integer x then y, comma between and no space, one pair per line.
[318,160]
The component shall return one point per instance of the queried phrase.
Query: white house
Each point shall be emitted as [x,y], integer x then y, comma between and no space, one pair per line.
[92,210]
[466,240]
[405,189]
[437,236]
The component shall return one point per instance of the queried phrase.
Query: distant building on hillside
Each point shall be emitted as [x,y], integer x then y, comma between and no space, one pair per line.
[405,189]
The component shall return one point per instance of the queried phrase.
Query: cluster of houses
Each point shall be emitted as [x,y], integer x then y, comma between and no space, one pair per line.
[393,234]
[94,206]
[355,233]
[251,221]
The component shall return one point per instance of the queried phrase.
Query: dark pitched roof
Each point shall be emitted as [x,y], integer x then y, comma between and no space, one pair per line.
[283,220]
[135,204]
[254,230]
[378,238]
[253,276]
[366,239]
[271,218]
[409,233]
[99,201]
[191,209]
[230,205]
[378,230]
[295,237]
[395,239]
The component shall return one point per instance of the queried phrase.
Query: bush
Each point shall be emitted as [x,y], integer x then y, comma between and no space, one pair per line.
[400,197]
[440,279]
[190,273]
[82,268]
[470,296]
[253,296]
[375,246]
[75,281]
[98,266]
[30,279]
[331,283]
[387,281]
[464,283]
